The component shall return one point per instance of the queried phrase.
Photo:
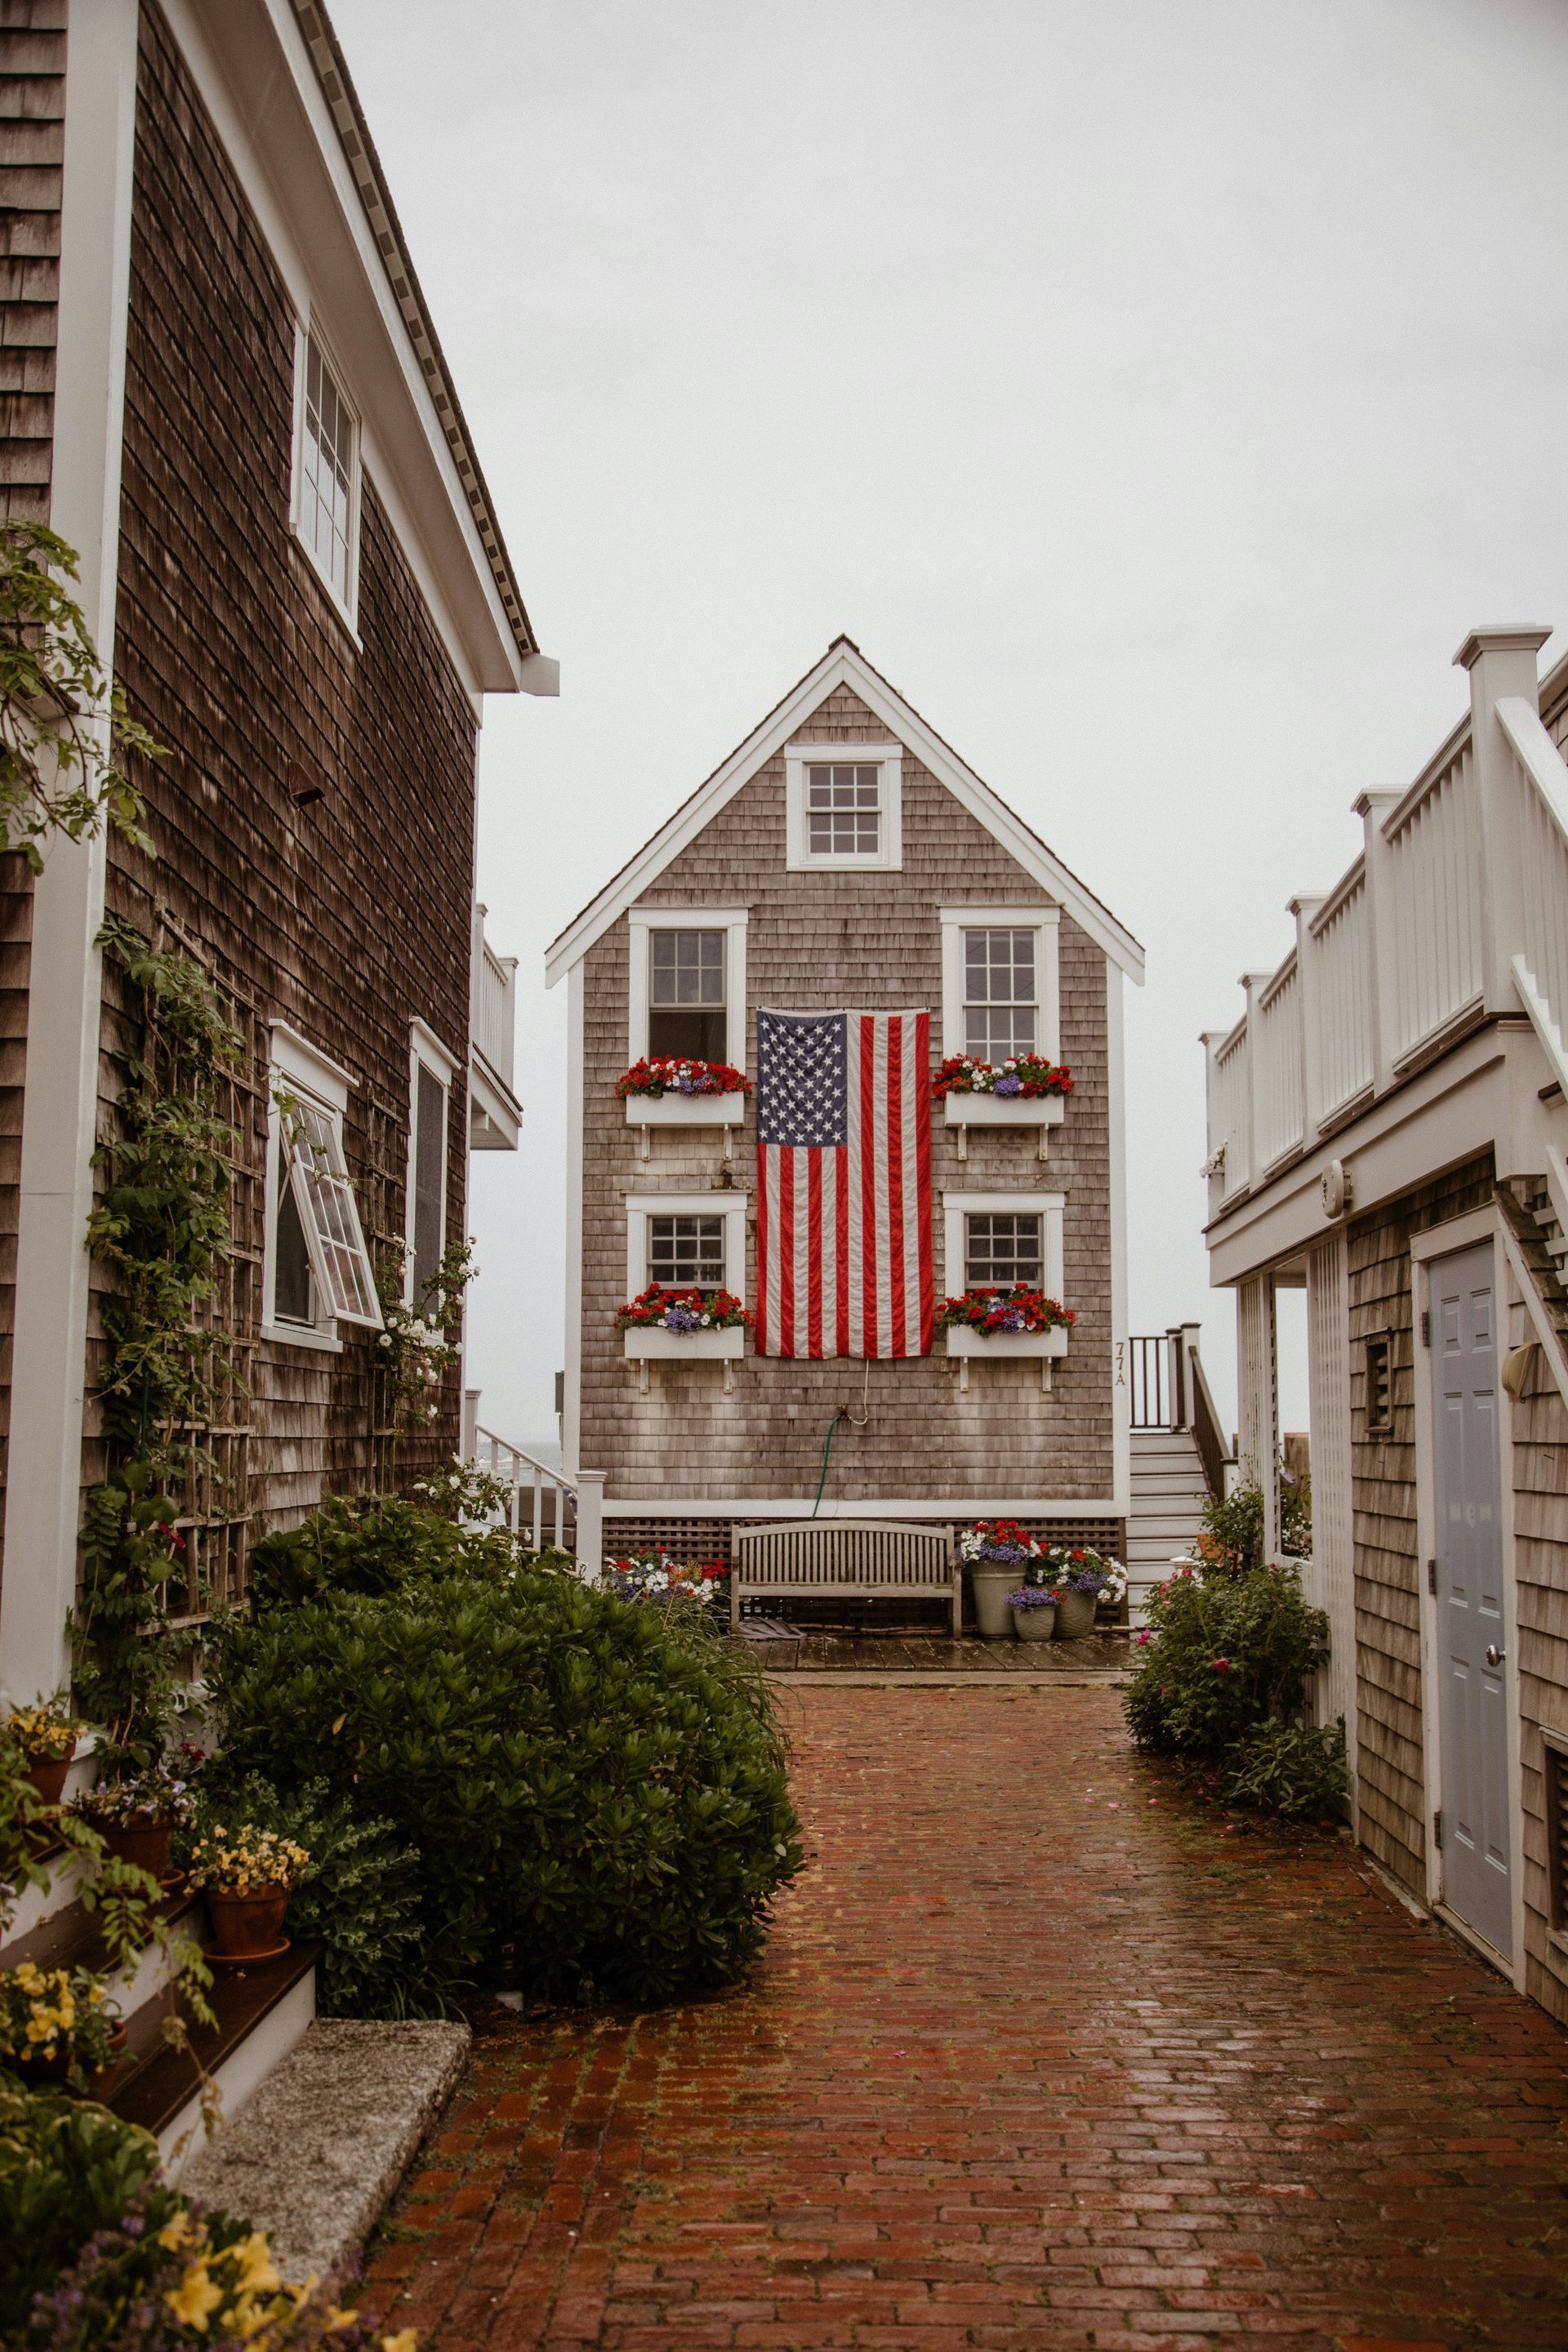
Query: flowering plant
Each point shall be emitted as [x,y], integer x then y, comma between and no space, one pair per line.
[1031,1596]
[251,1861]
[1024,1076]
[1071,1567]
[52,2014]
[1001,1541]
[46,1733]
[654,1575]
[991,1312]
[422,1338]
[147,1800]
[659,1309]
[663,1074]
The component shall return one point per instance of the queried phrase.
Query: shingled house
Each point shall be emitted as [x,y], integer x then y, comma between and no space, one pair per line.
[223,390]
[845,858]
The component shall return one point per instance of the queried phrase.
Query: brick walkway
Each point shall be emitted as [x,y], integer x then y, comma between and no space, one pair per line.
[1032,2062]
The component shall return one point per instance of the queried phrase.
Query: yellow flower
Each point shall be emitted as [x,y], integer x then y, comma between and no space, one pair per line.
[405,2340]
[258,2273]
[196,2299]
[338,2318]
[177,2232]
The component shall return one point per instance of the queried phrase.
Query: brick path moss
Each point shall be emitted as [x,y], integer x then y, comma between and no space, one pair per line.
[1043,2054]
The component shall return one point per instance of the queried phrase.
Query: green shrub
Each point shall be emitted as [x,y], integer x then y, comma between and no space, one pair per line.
[598,1786]
[1295,1770]
[370,1545]
[1225,1653]
[359,1898]
[67,2169]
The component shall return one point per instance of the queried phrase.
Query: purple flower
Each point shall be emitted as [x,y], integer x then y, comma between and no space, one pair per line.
[1007,1552]
[1031,1596]
[688,1085]
[1011,1084]
[681,1319]
[1010,1318]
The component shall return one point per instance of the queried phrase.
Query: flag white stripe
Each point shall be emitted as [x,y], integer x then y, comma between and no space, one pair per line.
[771,1272]
[914,1078]
[880,1339]
[832,1167]
[801,1270]
[854,1273]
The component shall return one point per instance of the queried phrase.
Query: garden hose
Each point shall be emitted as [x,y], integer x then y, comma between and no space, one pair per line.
[827,1450]
[843,1414]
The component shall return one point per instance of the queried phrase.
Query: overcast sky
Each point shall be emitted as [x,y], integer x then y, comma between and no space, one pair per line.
[1156,394]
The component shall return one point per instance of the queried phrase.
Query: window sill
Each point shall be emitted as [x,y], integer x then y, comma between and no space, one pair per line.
[1006,1110]
[301,1335]
[340,612]
[686,1110]
[965,1342]
[644,1345]
[883,862]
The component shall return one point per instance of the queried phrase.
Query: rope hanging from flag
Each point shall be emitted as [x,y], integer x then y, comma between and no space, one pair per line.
[843,1211]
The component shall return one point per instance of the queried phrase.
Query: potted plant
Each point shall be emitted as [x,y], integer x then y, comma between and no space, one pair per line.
[661,1321]
[137,1817]
[1033,1608]
[995,1551]
[1081,1579]
[654,1575]
[248,1879]
[1027,1090]
[47,1735]
[660,1091]
[1017,1322]
[58,2025]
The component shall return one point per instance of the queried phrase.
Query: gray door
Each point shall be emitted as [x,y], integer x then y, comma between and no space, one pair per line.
[1471,1636]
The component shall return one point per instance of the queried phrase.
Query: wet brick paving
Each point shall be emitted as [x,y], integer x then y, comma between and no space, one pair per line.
[1042,2054]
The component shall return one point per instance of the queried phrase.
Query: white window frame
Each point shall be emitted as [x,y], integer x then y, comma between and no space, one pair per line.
[295,1066]
[1046,924]
[426,1050]
[641,1206]
[732,921]
[888,757]
[1048,1206]
[306,332]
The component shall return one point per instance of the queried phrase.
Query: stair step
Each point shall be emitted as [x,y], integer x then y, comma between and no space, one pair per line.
[155,2087]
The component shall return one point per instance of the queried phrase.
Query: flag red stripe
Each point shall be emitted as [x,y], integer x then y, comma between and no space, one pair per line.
[893,1143]
[868,1182]
[762,1240]
[786,1250]
[814,1247]
[922,1161]
[841,1254]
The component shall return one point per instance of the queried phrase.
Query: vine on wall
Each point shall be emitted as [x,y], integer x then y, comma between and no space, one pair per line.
[423,1336]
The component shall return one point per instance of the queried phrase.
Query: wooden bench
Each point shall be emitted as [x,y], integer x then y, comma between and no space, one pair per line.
[863,1559]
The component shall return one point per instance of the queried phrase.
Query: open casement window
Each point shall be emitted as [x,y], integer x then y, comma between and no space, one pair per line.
[327,1215]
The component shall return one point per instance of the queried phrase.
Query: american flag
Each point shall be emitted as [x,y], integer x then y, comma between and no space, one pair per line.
[844,1219]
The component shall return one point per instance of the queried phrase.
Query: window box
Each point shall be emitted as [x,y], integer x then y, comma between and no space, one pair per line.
[644,1345]
[1004,1111]
[686,1110]
[970,1342]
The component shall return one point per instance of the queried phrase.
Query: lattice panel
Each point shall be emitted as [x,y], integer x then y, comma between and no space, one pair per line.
[692,1541]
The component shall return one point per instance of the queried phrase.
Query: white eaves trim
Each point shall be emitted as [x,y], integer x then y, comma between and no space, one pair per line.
[844,664]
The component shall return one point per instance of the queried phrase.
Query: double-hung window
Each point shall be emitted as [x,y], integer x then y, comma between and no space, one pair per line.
[843,806]
[431,1069]
[318,1271]
[687,1017]
[1000,992]
[326,472]
[683,1252]
[686,1241]
[994,1240]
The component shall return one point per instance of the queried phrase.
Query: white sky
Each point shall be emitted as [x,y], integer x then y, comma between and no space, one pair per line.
[1155,392]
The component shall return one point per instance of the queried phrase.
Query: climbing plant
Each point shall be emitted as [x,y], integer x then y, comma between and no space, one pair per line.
[163,1224]
[423,1337]
[64,726]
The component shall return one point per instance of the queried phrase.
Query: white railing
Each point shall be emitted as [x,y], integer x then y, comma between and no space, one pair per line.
[1434,839]
[494,1017]
[543,1507]
[1339,947]
[1456,909]
[1278,1106]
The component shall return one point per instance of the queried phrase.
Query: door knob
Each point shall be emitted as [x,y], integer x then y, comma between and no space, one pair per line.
[1494,1655]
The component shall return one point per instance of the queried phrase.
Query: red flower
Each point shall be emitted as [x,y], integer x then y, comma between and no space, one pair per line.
[1221,1665]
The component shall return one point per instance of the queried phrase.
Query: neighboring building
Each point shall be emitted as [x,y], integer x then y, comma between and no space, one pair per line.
[222,388]
[1387,1128]
[844,858]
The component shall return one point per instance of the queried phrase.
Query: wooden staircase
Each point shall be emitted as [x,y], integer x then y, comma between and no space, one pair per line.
[1179,1457]
[261,2012]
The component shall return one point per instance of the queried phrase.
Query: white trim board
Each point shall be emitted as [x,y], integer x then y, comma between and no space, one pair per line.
[843,665]
[747,1507]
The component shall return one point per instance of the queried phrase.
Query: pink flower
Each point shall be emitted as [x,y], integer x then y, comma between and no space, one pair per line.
[1220,1666]
[1143,1639]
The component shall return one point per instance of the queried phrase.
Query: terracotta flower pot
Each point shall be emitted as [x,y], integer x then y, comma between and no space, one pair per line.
[1033,1624]
[147,1844]
[1075,1616]
[47,1775]
[246,1926]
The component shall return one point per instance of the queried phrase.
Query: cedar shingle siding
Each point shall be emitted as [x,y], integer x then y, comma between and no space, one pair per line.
[345,920]
[872,941]
[1383,1490]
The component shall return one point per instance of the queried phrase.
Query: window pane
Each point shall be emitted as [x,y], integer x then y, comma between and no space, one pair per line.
[842,811]
[686,1251]
[329,1215]
[291,1261]
[430,1177]
[326,472]
[1001,1249]
[686,968]
[698,1035]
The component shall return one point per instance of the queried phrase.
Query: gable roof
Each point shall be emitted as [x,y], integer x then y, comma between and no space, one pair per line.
[844,664]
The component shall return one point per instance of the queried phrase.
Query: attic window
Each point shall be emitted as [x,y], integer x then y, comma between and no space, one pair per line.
[326,472]
[843,806]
